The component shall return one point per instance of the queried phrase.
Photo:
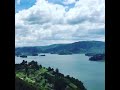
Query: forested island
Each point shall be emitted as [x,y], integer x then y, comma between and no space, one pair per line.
[97,57]
[31,76]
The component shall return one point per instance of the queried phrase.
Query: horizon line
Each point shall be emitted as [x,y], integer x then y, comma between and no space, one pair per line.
[58,43]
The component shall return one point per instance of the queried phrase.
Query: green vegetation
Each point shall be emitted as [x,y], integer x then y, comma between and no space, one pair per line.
[64,49]
[31,76]
[22,85]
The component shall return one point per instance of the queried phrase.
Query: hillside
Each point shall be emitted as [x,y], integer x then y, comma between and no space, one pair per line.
[76,47]
[31,76]
[22,85]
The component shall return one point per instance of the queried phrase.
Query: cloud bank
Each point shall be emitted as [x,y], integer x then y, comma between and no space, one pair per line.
[48,23]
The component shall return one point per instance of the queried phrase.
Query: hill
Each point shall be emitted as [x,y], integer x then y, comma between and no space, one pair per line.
[31,76]
[71,48]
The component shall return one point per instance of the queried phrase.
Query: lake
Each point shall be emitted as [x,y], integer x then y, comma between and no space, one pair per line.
[91,73]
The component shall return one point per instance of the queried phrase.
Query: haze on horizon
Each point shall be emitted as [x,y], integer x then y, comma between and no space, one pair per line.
[46,22]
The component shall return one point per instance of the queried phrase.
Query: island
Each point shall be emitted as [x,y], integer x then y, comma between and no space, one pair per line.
[23,56]
[35,54]
[31,76]
[42,55]
[97,57]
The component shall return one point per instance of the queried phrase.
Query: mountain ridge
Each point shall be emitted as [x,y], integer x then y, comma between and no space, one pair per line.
[76,47]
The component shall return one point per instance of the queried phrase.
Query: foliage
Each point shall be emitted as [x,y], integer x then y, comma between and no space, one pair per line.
[44,78]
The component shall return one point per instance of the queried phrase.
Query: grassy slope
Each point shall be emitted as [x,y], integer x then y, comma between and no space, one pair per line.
[45,79]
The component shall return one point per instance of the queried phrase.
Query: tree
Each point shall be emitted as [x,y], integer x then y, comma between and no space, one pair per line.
[33,65]
[40,66]
[24,62]
[68,77]
[60,84]
[57,70]
[49,69]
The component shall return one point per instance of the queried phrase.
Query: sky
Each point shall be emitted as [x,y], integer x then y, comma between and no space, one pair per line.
[45,22]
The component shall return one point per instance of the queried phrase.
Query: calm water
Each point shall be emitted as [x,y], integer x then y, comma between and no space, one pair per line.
[91,73]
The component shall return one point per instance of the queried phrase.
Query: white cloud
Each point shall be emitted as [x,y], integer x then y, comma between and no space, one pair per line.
[87,10]
[47,23]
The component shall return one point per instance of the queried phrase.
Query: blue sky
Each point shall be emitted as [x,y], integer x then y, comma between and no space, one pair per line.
[25,4]
[44,22]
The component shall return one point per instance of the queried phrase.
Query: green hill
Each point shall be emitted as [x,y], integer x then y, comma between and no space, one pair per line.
[71,48]
[31,76]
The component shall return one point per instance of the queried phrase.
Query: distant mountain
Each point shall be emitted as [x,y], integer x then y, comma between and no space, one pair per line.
[74,48]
